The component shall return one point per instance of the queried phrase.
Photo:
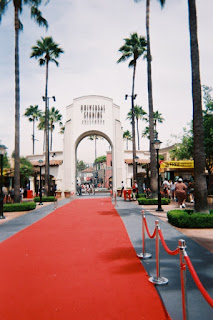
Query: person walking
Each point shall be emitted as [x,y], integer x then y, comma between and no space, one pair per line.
[122,188]
[181,192]
[135,189]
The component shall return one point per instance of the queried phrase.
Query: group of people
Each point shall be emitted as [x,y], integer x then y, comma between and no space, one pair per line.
[134,189]
[179,190]
[8,194]
[88,189]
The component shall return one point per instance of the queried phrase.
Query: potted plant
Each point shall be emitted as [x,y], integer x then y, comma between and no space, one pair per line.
[58,193]
[67,193]
[119,192]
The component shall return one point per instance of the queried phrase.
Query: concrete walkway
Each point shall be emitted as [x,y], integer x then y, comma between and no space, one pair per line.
[201,258]
[200,252]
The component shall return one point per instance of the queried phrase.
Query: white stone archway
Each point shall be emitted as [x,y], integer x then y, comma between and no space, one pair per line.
[92,115]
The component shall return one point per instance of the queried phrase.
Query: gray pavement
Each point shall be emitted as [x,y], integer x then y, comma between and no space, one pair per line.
[201,259]
[170,294]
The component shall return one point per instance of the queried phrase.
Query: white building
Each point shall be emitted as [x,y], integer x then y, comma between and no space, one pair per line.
[86,116]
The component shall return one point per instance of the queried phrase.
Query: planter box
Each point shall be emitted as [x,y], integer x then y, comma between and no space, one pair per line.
[119,192]
[67,194]
[210,199]
[58,194]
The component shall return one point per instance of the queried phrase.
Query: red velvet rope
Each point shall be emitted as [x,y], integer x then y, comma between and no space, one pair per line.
[147,230]
[197,281]
[173,253]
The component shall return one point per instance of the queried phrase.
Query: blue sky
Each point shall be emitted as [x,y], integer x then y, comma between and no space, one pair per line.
[91,32]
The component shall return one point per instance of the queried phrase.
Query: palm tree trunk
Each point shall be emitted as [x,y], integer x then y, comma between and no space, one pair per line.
[51,139]
[199,151]
[46,135]
[33,135]
[153,165]
[126,144]
[138,135]
[17,111]
[133,125]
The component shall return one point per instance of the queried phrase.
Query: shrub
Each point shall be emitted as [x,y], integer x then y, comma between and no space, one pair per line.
[141,195]
[146,201]
[14,207]
[190,219]
[45,199]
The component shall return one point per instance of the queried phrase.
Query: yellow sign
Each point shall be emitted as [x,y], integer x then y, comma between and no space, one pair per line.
[183,164]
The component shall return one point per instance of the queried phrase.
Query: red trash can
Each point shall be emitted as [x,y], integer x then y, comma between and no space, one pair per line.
[30,194]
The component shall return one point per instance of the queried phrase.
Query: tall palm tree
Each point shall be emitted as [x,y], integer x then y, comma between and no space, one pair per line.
[157,116]
[133,48]
[127,135]
[46,51]
[33,113]
[153,167]
[35,14]
[54,117]
[199,150]
[139,114]
[41,126]
[95,138]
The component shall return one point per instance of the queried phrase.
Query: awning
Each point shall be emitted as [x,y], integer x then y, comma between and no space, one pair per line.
[35,163]
[139,161]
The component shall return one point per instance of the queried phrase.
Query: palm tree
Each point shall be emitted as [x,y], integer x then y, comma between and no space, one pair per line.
[95,138]
[41,126]
[62,128]
[46,51]
[134,47]
[54,117]
[199,150]
[127,135]
[157,116]
[153,167]
[35,14]
[33,113]
[139,114]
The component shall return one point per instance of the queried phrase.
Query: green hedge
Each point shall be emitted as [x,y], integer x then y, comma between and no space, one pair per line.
[14,207]
[153,201]
[189,219]
[45,199]
[141,195]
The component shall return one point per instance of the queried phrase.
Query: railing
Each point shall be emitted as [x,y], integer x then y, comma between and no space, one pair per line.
[184,261]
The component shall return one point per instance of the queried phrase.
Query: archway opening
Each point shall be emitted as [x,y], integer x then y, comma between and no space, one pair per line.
[94,164]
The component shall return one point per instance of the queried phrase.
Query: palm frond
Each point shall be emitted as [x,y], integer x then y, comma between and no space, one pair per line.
[36,14]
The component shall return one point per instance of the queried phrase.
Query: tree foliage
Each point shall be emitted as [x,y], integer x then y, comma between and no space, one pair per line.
[100,159]
[26,170]
[184,149]
[6,162]
[81,165]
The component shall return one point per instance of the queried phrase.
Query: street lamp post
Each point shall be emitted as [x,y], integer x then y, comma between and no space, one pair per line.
[47,157]
[40,189]
[157,148]
[2,153]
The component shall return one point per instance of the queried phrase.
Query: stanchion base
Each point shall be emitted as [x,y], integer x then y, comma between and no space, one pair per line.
[159,209]
[158,280]
[40,204]
[2,217]
[144,255]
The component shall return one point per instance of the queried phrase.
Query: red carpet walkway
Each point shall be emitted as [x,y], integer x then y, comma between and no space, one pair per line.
[77,263]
